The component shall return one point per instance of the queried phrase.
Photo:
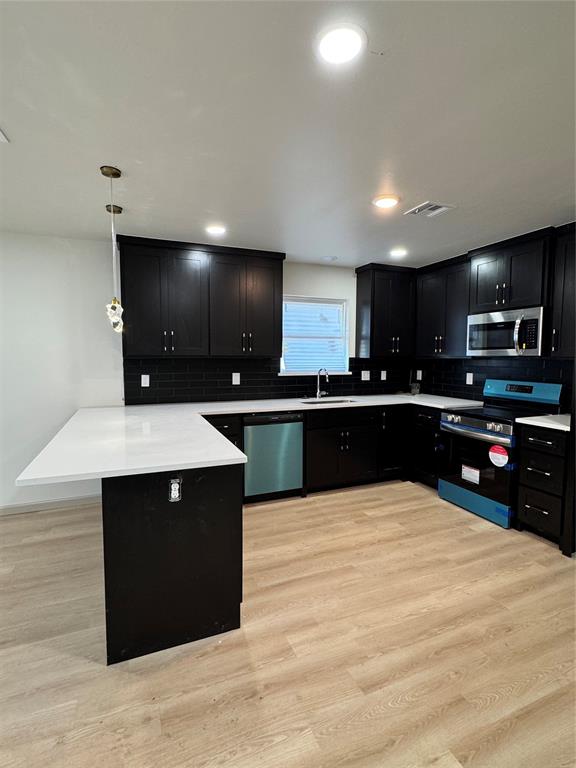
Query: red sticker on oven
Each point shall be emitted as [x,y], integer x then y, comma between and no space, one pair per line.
[498,455]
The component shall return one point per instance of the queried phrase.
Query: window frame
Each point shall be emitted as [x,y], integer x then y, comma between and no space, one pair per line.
[346,331]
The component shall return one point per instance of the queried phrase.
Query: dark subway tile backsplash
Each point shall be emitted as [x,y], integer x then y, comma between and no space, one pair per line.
[177,380]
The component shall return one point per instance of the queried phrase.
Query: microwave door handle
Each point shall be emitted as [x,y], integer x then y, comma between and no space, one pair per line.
[517,325]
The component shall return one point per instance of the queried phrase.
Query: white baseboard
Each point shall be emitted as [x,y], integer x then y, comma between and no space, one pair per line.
[45,506]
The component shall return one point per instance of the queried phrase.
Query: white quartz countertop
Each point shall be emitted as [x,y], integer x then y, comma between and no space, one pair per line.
[140,439]
[559,421]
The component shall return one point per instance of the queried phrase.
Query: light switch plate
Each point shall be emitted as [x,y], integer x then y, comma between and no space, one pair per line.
[235,378]
[418,375]
[469,378]
[145,380]
[382,375]
[365,375]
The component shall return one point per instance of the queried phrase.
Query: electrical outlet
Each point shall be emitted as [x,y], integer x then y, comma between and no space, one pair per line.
[469,378]
[365,375]
[235,378]
[418,375]
[145,380]
[382,375]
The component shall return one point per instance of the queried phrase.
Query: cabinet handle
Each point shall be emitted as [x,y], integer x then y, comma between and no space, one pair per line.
[172,339]
[165,342]
[393,344]
[503,293]
[536,509]
[497,290]
[553,339]
[397,343]
[540,442]
[249,342]
[440,344]
[538,471]
[435,344]
[243,342]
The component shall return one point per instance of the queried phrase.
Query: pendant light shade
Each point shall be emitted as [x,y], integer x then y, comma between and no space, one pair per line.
[114,309]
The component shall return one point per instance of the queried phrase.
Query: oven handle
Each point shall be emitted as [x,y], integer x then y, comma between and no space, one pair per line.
[496,439]
[517,325]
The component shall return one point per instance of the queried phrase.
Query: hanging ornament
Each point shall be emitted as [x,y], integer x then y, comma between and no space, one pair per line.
[114,309]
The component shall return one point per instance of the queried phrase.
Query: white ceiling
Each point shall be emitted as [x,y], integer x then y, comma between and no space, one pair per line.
[220,111]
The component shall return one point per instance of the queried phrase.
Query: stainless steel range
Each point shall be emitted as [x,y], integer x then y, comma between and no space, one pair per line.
[482,470]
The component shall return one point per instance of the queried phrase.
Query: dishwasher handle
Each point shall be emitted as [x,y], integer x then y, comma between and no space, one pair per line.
[255,419]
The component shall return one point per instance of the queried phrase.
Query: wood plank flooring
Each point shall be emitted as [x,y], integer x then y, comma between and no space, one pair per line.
[382,628]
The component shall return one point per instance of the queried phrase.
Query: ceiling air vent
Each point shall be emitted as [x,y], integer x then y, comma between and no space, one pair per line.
[429,209]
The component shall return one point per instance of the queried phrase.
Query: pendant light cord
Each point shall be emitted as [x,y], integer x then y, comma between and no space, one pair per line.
[114,246]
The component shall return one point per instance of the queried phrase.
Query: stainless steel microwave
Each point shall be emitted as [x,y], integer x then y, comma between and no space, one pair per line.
[515,332]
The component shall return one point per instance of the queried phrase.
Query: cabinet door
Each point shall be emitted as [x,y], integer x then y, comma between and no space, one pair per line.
[523,278]
[143,301]
[431,303]
[453,343]
[486,272]
[563,319]
[382,343]
[227,305]
[264,307]
[403,316]
[322,452]
[358,459]
[393,448]
[186,288]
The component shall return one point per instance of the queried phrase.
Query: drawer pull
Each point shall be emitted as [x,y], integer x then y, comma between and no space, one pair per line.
[536,509]
[538,471]
[540,442]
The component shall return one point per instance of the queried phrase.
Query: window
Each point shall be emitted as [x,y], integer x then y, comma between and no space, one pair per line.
[315,335]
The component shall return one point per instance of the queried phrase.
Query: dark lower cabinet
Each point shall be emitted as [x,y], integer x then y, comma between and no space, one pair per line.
[428,450]
[563,293]
[545,477]
[229,426]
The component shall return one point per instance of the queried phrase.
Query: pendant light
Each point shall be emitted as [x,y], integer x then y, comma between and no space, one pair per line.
[114,310]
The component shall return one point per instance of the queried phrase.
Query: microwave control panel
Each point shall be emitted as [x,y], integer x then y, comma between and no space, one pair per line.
[529,336]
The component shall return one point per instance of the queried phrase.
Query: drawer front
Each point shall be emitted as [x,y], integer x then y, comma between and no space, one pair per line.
[343,417]
[545,440]
[539,510]
[542,471]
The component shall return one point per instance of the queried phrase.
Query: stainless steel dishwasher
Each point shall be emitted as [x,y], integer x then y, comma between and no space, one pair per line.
[273,443]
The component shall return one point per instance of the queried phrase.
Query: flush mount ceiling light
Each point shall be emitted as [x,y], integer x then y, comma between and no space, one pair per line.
[341,43]
[114,310]
[386,201]
[216,230]
[398,253]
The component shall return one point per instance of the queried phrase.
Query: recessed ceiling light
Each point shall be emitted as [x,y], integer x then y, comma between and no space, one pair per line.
[330,258]
[216,230]
[341,43]
[3,138]
[385,201]
[398,253]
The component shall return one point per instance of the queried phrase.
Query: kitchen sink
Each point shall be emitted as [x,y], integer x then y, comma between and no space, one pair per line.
[326,400]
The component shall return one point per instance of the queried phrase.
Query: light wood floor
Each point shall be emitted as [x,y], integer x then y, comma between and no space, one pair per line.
[382,628]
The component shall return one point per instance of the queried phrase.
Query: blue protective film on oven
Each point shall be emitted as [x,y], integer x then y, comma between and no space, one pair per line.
[473,502]
[528,391]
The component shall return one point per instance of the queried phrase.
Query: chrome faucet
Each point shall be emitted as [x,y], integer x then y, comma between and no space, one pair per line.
[320,393]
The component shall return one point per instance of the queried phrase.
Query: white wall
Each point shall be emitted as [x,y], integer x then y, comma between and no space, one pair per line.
[57,351]
[326,283]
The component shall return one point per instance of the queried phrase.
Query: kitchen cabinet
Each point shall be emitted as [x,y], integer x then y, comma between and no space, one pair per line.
[428,446]
[165,299]
[392,450]
[245,306]
[385,304]
[342,447]
[510,275]
[442,310]
[563,292]
[229,426]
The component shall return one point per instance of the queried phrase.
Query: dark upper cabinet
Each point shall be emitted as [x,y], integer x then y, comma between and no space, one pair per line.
[385,298]
[563,294]
[165,299]
[186,300]
[510,275]
[245,306]
[442,310]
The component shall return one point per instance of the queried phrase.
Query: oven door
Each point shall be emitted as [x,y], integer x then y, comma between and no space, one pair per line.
[481,462]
